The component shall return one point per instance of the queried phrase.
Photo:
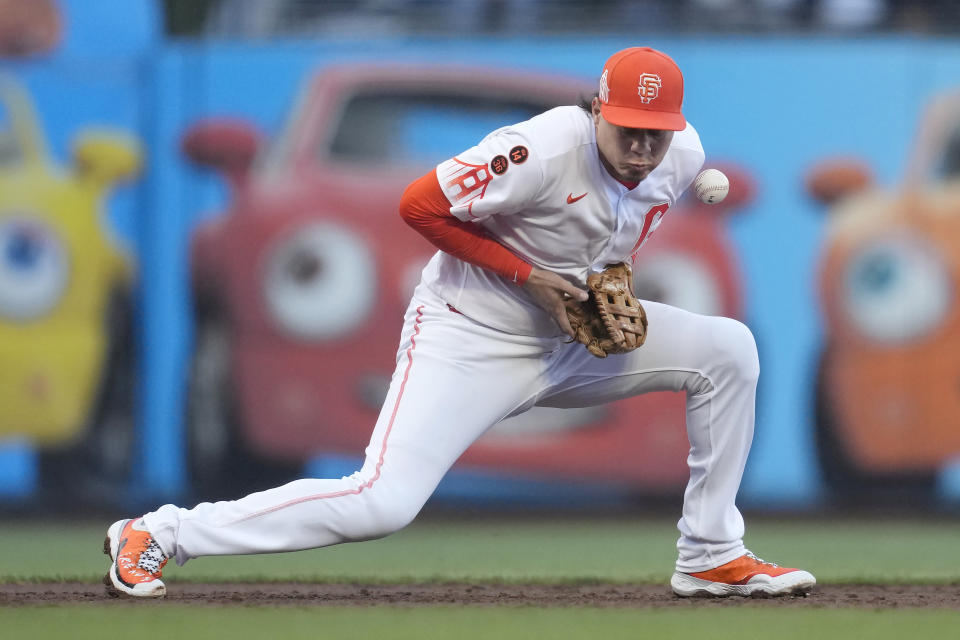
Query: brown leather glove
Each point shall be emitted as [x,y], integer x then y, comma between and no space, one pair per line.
[612,320]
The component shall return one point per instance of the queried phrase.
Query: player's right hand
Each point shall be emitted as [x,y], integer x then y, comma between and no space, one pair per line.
[549,290]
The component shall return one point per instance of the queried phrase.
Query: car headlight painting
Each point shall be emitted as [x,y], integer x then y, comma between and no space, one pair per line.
[320,281]
[679,280]
[895,290]
[34,269]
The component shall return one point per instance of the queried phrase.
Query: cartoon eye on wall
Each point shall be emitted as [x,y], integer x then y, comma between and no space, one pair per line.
[320,281]
[679,280]
[896,289]
[410,276]
[33,269]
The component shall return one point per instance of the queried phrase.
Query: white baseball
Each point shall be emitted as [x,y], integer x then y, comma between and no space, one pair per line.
[711,186]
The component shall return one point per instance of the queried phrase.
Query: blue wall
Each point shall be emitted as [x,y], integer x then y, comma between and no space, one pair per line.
[774,106]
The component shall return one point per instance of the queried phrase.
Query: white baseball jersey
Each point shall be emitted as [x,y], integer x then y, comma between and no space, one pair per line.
[539,189]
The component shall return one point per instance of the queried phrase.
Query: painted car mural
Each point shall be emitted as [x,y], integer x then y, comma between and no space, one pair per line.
[300,286]
[29,28]
[65,291]
[888,404]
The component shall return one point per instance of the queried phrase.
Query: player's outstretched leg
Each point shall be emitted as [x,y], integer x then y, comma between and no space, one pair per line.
[747,575]
[435,408]
[136,561]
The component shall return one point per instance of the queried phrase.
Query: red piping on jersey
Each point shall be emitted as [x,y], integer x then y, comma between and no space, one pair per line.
[383,448]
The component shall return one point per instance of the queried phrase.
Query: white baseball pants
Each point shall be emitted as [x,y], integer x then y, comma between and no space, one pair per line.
[454,379]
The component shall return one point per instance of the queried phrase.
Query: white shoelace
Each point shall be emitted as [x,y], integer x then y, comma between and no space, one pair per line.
[152,558]
[750,554]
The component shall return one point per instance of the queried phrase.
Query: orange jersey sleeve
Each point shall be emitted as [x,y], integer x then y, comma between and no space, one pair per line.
[425,208]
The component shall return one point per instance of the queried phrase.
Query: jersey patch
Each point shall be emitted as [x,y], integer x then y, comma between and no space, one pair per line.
[499,165]
[519,154]
[463,182]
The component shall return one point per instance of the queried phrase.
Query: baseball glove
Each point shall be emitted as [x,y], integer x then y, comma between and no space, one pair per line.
[612,319]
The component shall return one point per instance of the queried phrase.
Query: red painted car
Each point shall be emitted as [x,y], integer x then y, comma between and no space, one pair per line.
[300,287]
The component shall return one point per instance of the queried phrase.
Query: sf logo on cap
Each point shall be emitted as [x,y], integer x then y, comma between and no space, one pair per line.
[649,87]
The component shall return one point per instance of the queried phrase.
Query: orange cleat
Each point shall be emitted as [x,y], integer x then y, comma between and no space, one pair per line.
[748,575]
[137,561]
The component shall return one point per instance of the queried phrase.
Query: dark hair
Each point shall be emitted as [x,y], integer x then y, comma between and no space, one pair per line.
[586,102]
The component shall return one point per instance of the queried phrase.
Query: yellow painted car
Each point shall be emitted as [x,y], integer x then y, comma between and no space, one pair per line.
[64,282]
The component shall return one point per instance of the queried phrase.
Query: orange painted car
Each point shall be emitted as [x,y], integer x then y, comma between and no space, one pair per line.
[301,285]
[888,394]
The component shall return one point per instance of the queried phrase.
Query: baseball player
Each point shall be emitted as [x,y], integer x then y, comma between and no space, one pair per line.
[521,221]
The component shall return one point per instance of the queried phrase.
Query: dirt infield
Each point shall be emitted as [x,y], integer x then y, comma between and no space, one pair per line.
[412,595]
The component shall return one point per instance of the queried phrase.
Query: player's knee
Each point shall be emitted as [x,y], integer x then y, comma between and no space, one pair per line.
[736,349]
[386,512]
[394,518]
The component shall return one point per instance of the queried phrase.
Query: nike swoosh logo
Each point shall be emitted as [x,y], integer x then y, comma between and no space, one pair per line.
[571,199]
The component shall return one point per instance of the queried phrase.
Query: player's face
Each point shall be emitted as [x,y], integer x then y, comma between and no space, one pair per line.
[629,154]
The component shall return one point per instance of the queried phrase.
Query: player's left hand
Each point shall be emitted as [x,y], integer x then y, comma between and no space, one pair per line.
[549,290]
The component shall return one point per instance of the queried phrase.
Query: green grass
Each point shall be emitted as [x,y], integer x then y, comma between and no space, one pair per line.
[520,550]
[158,620]
[561,550]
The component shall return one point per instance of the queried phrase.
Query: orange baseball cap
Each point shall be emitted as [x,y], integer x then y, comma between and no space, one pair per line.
[642,88]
